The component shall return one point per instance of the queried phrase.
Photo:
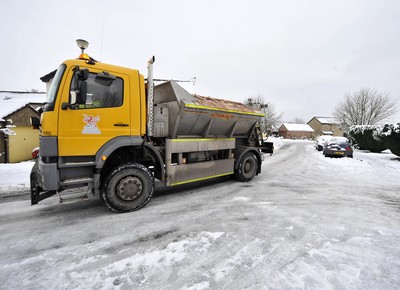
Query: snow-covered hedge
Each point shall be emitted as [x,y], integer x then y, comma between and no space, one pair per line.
[367,137]
[377,138]
[390,134]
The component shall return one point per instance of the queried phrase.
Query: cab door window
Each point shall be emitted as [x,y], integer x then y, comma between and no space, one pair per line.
[100,90]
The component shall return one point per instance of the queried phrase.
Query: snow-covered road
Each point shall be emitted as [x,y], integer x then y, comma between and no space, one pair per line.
[305,222]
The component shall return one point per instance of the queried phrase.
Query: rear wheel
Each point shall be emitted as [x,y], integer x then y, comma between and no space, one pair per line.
[127,188]
[248,167]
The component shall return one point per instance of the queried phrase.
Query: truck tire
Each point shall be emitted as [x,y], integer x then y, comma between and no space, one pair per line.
[128,187]
[248,167]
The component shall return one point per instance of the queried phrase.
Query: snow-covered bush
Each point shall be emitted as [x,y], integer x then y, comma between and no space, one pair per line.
[367,137]
[8,131]
[390,133]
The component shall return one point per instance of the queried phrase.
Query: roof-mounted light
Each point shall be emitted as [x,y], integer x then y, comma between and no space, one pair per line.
[83,44]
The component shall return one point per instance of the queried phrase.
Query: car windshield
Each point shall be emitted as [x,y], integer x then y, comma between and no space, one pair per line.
[52,93]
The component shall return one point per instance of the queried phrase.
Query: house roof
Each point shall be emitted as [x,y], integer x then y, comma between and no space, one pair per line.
[327,120]
[29,106]
[327,132]
[48,77]
[297,127]
[12,101]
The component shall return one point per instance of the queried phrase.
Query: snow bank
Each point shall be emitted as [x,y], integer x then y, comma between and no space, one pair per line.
[14,178]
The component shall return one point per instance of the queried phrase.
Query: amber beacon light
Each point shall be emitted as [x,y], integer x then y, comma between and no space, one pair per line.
[83,44]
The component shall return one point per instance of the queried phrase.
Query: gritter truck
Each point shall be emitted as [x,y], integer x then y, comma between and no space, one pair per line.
[109,129]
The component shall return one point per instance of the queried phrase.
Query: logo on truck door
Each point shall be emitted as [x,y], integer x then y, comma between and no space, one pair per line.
[91,124]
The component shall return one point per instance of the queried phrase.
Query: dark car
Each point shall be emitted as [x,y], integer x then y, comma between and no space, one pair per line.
[338,149]
[319,143]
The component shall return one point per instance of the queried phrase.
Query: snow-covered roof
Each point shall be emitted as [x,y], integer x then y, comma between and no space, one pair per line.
[327,132]
[12,101]
[327,120]
[298,127]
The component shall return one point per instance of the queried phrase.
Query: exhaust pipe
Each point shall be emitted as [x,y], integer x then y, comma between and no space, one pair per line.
[150,97]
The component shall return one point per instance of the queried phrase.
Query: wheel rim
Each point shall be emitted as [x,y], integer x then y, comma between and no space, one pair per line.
[129,188]
[249,167]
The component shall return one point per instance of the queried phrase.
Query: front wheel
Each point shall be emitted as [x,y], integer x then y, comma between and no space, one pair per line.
[248,167]
[127,188]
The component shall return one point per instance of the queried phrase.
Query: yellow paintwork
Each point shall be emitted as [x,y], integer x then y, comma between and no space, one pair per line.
[68,125]
[201,179]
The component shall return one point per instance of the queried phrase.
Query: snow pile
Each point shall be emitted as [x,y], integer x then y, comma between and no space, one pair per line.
[278,142]
[14,178]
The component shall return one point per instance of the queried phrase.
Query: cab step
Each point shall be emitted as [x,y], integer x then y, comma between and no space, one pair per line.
[76,181]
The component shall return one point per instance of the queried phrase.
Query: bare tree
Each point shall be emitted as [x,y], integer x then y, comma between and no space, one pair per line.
[365,107]
[298,121]
[271,118]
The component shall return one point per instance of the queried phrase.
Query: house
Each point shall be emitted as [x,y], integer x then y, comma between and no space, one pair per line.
[17,138]
[48,79]
[295,131]
[325,126]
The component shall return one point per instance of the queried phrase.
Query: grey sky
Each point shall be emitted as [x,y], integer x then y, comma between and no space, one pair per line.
[302,55]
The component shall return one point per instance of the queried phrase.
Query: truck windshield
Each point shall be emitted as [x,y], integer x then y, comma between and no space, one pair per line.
[52,93]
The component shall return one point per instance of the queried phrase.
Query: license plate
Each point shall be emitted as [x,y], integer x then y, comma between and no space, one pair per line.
[339,153]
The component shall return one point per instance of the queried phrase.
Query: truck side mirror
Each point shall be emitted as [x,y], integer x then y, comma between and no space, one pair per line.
[83,74]
[77,97]
[81,87]
[78,92]
[82,95]
[35,122]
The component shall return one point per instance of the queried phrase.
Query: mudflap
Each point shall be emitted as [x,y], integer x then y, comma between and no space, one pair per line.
[37,193]
[267,147]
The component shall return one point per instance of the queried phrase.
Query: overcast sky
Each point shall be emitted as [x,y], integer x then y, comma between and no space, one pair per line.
[301,55]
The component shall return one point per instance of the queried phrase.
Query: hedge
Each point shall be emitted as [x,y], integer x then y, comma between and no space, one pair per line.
[390,133]
[367,137]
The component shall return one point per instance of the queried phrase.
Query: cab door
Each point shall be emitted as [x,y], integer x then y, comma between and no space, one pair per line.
[98,110]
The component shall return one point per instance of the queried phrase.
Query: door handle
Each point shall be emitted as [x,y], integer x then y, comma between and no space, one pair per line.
[121,125]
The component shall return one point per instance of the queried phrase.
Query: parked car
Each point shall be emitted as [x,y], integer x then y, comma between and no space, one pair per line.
[323,140]
[319,143]
[338,149]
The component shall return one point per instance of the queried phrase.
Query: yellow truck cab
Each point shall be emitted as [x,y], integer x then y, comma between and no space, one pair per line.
[106,128]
